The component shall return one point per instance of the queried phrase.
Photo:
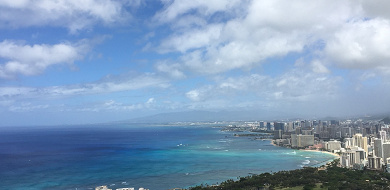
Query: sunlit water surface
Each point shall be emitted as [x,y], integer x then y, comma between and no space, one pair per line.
[154,157]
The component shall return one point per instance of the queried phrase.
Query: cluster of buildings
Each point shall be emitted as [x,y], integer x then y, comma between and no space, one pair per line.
[104,187]
[360,144]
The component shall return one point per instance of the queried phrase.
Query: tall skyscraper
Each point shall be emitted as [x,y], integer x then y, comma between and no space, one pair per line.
[378,148]
[383,136]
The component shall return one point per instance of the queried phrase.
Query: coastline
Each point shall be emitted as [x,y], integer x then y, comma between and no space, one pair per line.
[326,152]
[312,150]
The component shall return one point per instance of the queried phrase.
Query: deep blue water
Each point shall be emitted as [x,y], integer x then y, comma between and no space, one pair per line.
[154,157]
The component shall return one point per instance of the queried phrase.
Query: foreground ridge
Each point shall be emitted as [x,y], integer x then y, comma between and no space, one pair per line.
[327,177]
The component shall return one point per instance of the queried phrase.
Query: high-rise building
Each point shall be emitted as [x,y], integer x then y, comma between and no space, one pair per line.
[294,140]
[378,148]
[374,163]
[360,156]
[360,141]
[345,160]
[383,136]
[305,140]
[278,126]
[333,145]
[386,151]
[348,142]
[261,125]
[302,141]
[349,158]
[278,134]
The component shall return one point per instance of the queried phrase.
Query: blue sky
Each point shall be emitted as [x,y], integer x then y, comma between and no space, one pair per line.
[70,62]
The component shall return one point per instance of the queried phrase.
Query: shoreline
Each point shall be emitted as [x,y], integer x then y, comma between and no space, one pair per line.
[326,152]
[311,150]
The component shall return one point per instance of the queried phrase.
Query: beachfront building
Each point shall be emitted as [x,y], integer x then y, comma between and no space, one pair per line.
[332,146]
[305,140]
[301,141]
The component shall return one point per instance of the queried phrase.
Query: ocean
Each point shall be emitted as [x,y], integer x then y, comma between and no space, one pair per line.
[123,155]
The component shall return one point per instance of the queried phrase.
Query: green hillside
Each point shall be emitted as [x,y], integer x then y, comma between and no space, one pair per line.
[330,177]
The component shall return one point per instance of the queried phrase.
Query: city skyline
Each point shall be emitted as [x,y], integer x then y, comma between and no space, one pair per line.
[72,62]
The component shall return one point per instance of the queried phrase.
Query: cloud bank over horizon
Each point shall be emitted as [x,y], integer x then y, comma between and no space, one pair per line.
[95,61]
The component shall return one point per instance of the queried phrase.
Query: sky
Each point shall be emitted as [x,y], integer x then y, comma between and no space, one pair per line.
[90,61]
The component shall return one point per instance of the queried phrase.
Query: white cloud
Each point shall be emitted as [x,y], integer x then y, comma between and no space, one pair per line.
[72,14]
[175,9]
[24,59]
[150,101]
[109,106]
[262,30]
[295,85]
[27,107]
[173,70]
[193,40]
[194,95]
[109,84]
[376,8]
[361,44]
[318,67]
[352,34]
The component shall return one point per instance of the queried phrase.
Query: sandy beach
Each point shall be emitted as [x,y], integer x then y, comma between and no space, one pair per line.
[326,152]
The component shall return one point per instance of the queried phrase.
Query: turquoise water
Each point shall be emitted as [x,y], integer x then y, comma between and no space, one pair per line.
[154,157]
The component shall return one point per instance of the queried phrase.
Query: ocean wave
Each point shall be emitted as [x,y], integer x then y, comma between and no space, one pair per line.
[306,162]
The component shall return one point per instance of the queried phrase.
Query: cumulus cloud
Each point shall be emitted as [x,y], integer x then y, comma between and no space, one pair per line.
[72,14]
[363,44]
[264,29]
[345,34]
[25,59]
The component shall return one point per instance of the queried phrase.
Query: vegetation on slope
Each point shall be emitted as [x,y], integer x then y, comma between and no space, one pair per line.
[333,177]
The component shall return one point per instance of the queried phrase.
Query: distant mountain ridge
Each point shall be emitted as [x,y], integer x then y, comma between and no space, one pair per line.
[206,116]
[386,120]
